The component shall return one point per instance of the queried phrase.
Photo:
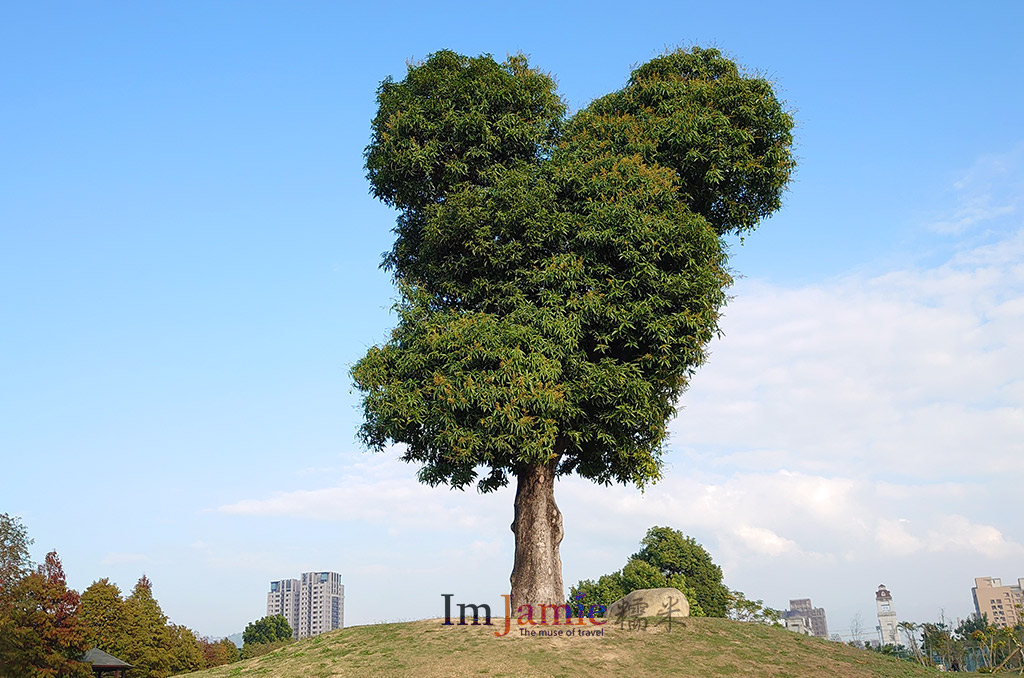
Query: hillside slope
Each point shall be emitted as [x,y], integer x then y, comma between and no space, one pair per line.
[693,647]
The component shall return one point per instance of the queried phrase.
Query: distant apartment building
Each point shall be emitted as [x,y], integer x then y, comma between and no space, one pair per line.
[313,604]
[997,602]
[888,624]
[802,617]
[799,625]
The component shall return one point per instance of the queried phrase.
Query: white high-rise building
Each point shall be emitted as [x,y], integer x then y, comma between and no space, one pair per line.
[283,599]
[312,605]
[888,624]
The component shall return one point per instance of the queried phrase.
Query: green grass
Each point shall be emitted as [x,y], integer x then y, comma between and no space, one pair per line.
[692,648]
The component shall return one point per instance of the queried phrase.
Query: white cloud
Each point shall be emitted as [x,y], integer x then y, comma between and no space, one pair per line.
[909,373]
[893,537]
[763,541]
[864,429]
[989,190]
[958,533]
[234,559]
[769,515]
[382,490]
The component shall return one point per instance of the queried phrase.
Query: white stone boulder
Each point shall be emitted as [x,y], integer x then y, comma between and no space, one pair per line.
[664,604]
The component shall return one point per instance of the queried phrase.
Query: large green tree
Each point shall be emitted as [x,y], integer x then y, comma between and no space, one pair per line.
[150,638]
[270,629]
[673,553]
[103,614]
[560,276]
[185,649]
[667,558]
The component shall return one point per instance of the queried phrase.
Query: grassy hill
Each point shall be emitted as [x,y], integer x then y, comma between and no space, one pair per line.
[693,647]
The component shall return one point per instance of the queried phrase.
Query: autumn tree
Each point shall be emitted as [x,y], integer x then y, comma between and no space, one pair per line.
[218,652]
[228,652]
[185,650]
[560,276]
[40,631]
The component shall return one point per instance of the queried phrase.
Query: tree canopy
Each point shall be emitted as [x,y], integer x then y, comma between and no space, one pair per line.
[106,623]
[14,557]
[668,558]
[267,630]
[560,276]
[673,553]
[136,630]
[217,653]
[40,631]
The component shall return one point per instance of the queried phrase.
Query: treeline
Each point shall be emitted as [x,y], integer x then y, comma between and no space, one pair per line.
[46,627]
[972,645]
[135,629]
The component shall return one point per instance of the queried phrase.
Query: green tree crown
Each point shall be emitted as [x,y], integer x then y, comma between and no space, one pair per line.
[673,553]
[267,630]
[560,278]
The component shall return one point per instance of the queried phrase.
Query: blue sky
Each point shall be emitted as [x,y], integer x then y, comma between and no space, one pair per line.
[189,265]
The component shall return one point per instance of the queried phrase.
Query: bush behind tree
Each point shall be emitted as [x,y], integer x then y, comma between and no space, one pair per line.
[260,649]
[269,629]
[674,554]
[667,558]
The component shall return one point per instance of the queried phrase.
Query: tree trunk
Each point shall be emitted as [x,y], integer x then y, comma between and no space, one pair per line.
[537,573]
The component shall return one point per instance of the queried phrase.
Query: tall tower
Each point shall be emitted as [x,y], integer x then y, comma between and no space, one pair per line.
[888,625]
[321,603]
[283,599]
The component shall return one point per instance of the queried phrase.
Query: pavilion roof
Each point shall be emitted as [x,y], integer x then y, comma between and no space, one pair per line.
[102,660]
